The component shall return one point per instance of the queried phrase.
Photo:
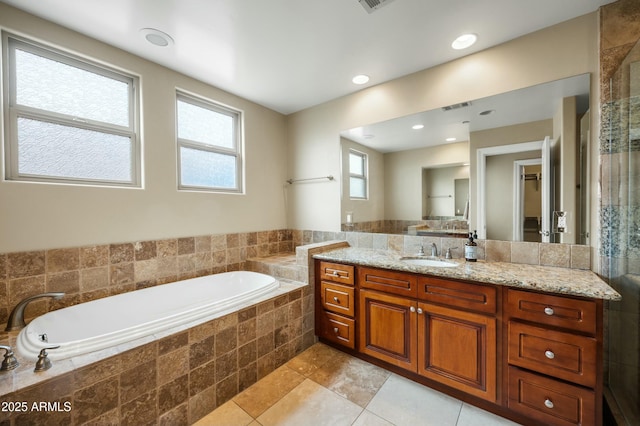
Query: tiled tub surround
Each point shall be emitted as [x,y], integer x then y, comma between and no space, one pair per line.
[177,376]
[94,272]
[541,278]
[173,379]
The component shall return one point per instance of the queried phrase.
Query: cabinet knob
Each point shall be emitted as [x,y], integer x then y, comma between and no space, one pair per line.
[548,403]
[335,330]
[412,309]
[419,311]
[548,311]
[549,354]
[335,299]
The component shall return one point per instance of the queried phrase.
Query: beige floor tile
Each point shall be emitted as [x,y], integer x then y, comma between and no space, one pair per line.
[313,358]
[351,378]
[225,415]
[367,418]
[473,416]
[311,404]
[403,402]
[266,392]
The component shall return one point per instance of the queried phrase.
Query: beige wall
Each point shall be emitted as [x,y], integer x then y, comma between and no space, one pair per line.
[403,177]
[39,216]
[561,51]
[439,190]
[372,208]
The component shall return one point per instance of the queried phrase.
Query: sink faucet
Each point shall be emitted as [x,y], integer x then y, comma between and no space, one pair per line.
[434,250]
[16,319]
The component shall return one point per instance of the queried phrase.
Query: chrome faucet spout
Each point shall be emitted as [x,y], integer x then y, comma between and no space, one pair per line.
[434,250]
[16,318]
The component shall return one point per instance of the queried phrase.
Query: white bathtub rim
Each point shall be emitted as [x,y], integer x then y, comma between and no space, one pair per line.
[29,347]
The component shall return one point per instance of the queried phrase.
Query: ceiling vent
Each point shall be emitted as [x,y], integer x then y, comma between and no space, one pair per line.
[456,106]
[372,5]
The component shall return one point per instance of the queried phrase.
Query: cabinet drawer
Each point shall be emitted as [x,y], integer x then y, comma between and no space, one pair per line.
[549,401]
[563,355]
[338,329]
[388,281]
[574,314]
[337,272]
[474,297]
[337,298]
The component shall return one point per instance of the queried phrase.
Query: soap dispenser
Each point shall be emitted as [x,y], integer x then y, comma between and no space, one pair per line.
[471,249]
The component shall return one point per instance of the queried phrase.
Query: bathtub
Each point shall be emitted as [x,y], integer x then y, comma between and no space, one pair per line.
[114,320]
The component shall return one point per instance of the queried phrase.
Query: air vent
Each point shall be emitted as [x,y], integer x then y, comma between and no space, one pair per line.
[372,5]
[456,106]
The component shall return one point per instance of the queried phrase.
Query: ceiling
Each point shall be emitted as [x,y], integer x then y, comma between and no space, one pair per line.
[540,102]
[289,55]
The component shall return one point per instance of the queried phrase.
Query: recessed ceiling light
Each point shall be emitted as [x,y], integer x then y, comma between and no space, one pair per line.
[487,112]
[450,139]
[464,41]
[360,79]
[417,126]
[156,37]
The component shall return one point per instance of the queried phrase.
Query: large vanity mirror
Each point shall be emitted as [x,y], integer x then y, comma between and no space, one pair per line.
[513,166]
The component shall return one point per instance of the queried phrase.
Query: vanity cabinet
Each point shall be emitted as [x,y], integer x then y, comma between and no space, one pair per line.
[532,356]
[445,342]
[335,306]
[554,357]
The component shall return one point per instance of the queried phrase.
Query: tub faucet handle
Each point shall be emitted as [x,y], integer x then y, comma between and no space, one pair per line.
[44,363]
[9,362]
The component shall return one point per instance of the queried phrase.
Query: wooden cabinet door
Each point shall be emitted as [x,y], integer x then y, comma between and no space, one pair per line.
[387,326]
[458,349]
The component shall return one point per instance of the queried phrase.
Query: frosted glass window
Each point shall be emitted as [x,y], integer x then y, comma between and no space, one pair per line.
[209,145]
[69,152]
[357,187]
[207,169]
[70,120]
[57,87]
[356,164]
[357,175]
[205,126]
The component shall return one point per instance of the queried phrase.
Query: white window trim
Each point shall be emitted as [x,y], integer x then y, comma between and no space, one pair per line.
[236,150]
[12,111]
[364,176]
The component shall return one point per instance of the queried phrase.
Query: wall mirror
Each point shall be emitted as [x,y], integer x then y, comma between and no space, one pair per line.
[499,141]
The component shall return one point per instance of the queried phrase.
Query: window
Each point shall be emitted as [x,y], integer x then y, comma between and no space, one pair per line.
[68,120]
[209,146]
[357,175]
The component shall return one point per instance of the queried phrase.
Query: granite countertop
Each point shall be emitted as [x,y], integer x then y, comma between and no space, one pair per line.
[574,282]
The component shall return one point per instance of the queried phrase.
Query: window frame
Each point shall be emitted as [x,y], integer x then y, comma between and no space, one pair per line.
[13,111]
[364,176]
[237,150]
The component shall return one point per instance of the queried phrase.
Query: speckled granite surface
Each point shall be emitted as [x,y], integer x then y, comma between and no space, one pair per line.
[542,278]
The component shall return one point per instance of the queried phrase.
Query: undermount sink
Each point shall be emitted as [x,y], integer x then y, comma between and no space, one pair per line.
[428,262]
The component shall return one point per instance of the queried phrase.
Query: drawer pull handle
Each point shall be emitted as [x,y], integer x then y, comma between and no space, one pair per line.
[548,311]
[335,299]
[419,311]
[548,403]
[412,309]
[335,330]
[549,354]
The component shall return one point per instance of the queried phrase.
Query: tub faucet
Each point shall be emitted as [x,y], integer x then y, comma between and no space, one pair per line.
[9,362]
[16,319]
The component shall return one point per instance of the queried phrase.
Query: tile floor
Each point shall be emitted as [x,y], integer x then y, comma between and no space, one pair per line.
[323,386]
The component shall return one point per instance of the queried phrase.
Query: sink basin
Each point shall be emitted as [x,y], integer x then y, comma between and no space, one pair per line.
[428,262]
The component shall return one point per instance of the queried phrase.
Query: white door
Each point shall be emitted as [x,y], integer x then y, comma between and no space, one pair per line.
[547,186]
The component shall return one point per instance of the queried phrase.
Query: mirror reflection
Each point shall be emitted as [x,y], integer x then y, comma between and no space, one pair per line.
[522,157]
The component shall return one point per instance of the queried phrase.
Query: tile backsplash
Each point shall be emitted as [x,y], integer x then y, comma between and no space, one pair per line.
[93,272]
